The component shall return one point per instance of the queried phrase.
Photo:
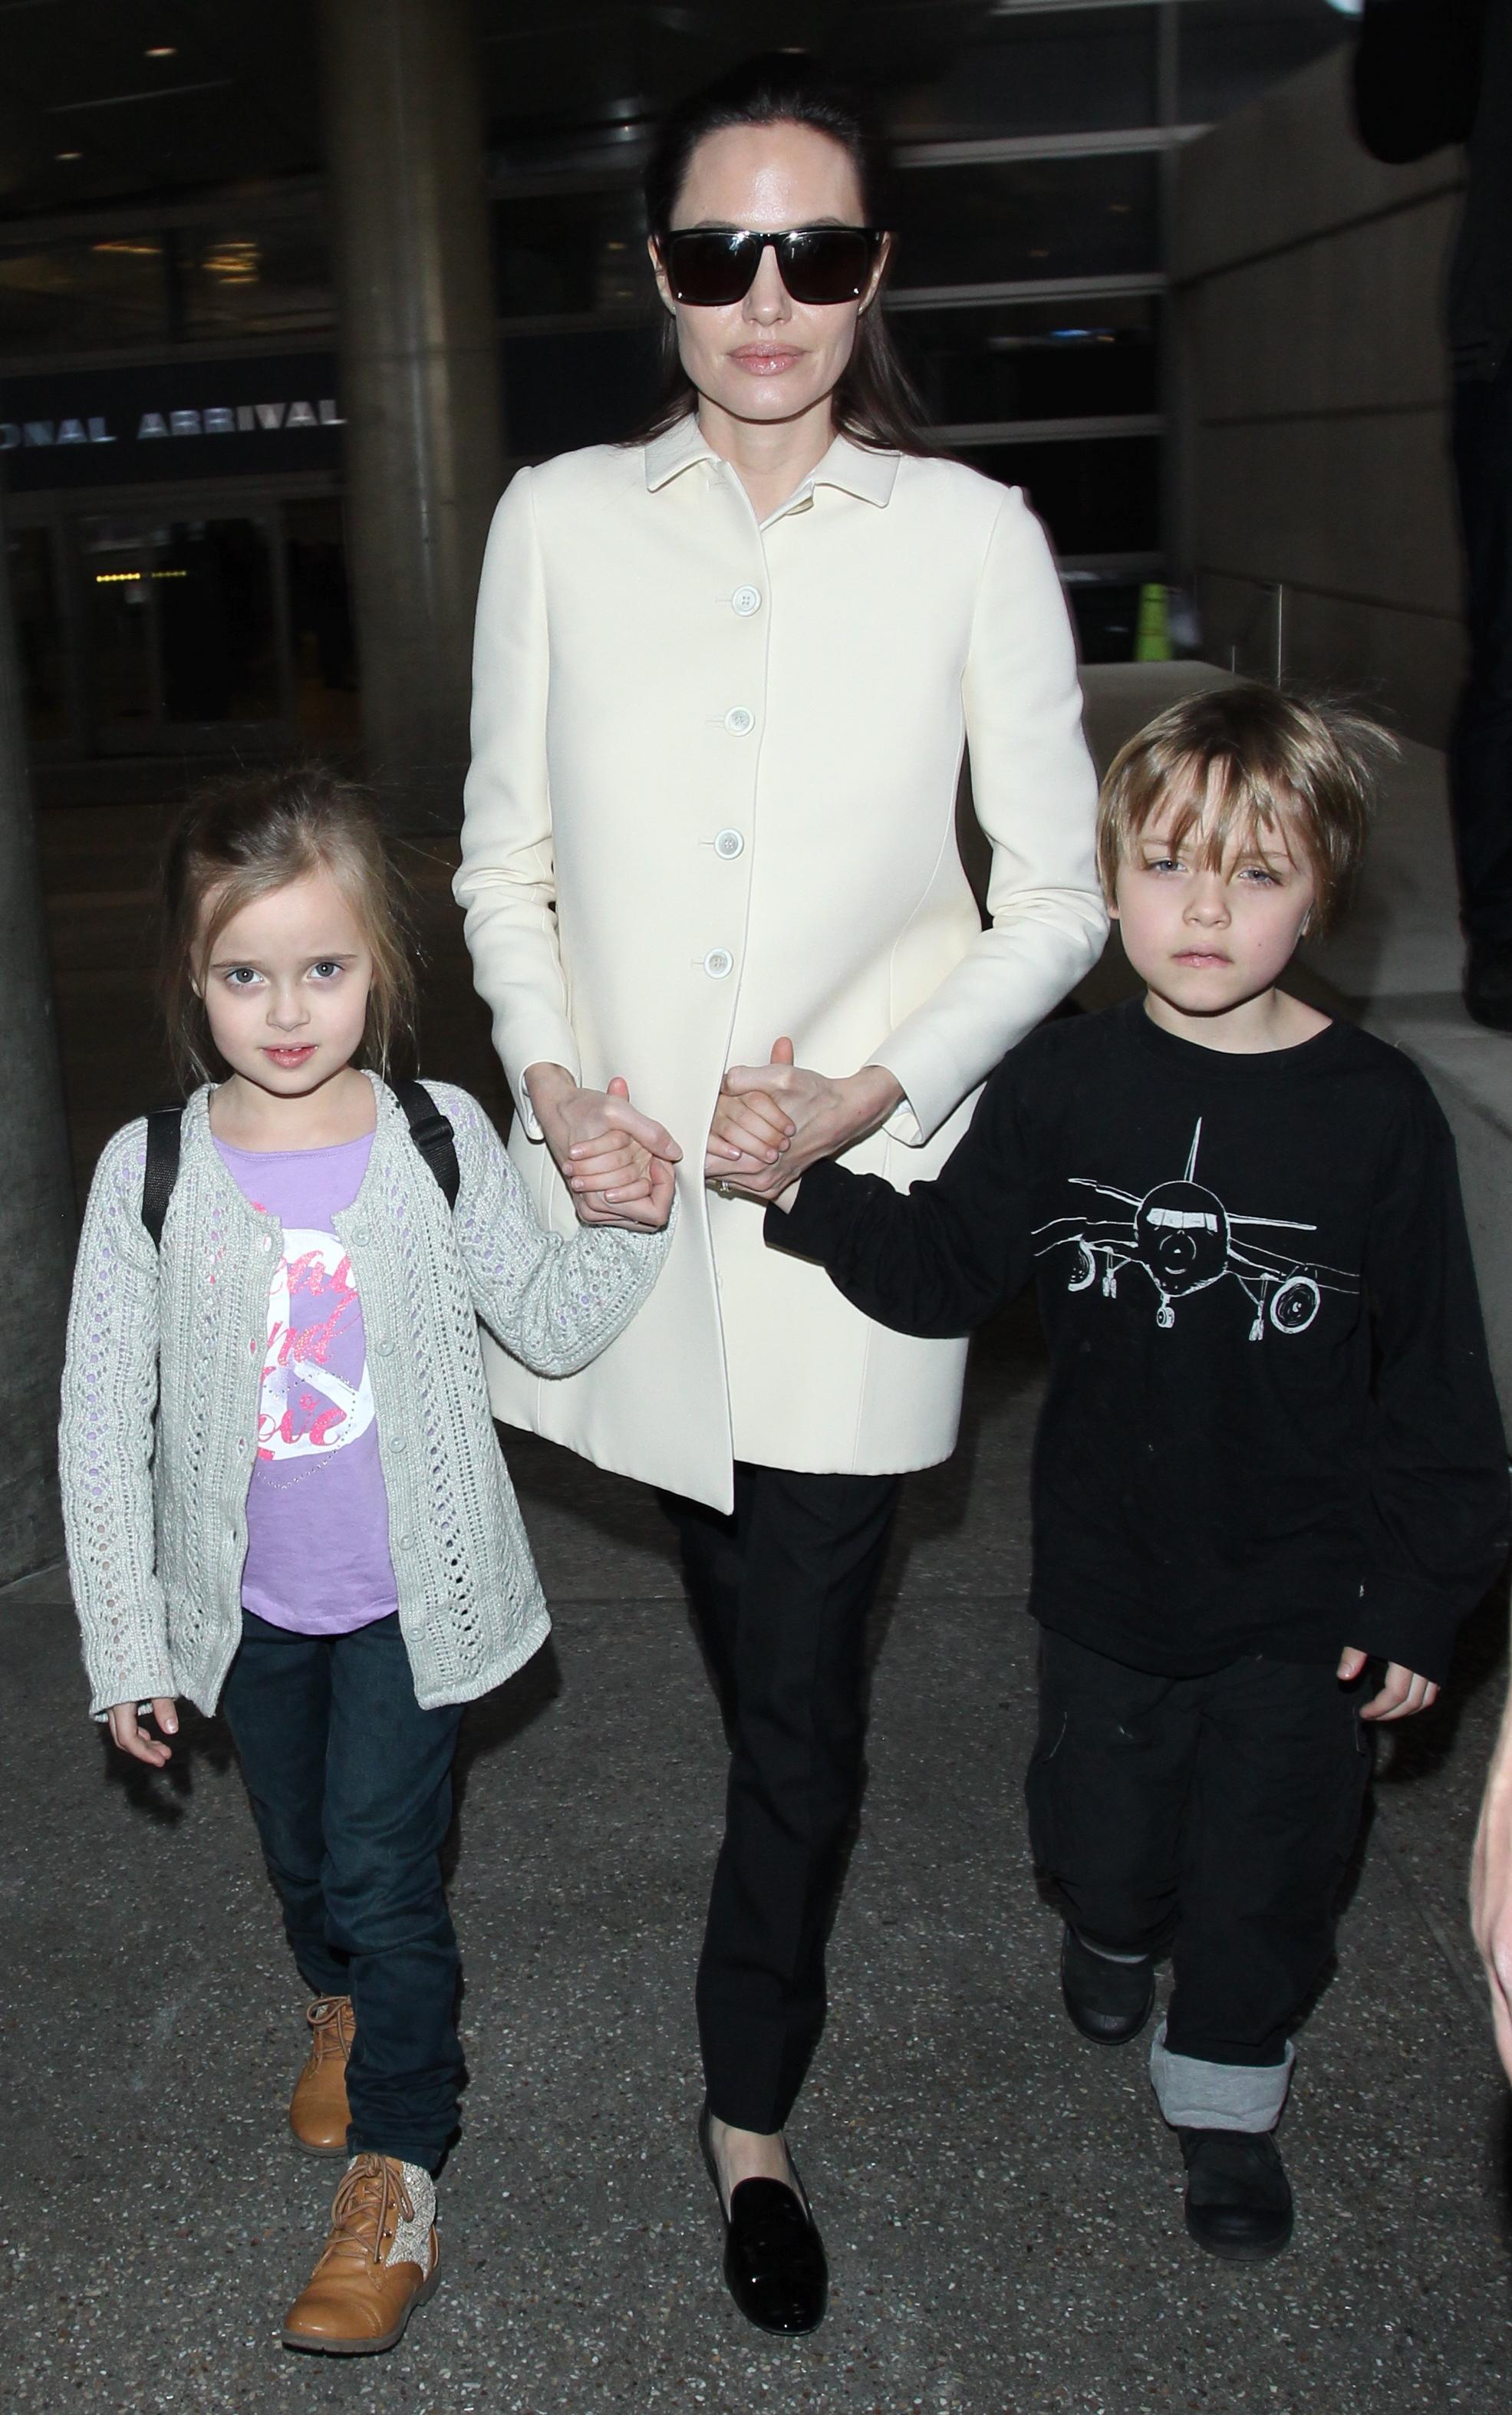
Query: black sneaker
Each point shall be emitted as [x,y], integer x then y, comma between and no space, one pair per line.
[1489,984]
[1109,2001]
[1238,2196]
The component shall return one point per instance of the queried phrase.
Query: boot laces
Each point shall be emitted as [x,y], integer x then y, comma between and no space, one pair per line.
[330,2021]
[359,2217]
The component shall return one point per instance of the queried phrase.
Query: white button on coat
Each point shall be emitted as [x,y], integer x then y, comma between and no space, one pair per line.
[745,601]
[718,964]
[912,610]
[729,843]
[740,719]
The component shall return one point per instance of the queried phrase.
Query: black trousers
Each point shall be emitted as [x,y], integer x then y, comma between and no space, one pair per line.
[781,1590]
[350,1783]
[1214,1815]
[1480,762]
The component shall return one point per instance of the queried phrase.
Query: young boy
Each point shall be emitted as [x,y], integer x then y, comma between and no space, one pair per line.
[1269,1449]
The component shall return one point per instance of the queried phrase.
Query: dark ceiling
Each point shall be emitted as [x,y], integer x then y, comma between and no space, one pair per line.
[106,101]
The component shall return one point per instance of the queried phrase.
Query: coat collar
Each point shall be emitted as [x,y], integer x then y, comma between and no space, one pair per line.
[853,468]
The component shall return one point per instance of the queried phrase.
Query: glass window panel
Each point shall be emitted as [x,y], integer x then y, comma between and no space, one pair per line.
[213,587]
[40,645]
[1027,217]
[78,297]
[1230,50]
[1057,74]
[320,632]
[1094,494]
[1106,613]
[586,387]
[117,577]
[1037,360]
[251,279]
[558,253]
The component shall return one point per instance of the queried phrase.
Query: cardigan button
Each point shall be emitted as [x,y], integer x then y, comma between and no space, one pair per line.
[745,601]
[718,963]
[740,721]
[729,843]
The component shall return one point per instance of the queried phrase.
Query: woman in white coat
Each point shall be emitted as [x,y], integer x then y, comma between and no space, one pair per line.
[723,681]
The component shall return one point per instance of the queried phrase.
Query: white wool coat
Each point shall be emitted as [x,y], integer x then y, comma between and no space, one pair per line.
[713,801]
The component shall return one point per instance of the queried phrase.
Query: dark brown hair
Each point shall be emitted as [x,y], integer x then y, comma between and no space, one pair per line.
[874,401]
[241,839]
[1242,761]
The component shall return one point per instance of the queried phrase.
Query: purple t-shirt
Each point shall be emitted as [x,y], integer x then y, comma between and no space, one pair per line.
[317,1513]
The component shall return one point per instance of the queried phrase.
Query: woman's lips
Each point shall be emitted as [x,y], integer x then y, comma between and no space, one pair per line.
[289,1058]
[761,362]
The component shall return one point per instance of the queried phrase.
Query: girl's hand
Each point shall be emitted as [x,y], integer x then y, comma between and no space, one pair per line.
[824,1116]
[1402,1692]
[604,1148]
[131,1736]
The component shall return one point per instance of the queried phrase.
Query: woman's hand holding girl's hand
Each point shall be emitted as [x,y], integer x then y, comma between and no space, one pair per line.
[773,1121]
[128,1732]
[617,1163]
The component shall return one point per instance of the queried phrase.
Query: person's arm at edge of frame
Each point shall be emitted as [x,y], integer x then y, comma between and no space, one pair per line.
[938,1259]
[1490,1886]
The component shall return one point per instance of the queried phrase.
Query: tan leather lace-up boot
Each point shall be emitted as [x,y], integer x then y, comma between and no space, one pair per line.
[317,2114]
[381,2261]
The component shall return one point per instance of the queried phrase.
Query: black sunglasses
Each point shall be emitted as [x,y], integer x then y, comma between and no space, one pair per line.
[711,266]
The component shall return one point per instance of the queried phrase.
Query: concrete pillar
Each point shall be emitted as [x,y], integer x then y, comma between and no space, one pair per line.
[419,376]
[36,1204]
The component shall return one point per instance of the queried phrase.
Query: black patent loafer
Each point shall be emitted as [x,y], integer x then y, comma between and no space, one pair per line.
[1238,2196]
[1109,2001]
[775,2260]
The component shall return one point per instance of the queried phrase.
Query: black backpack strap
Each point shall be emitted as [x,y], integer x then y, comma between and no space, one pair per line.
[160,1173]
[432,1135]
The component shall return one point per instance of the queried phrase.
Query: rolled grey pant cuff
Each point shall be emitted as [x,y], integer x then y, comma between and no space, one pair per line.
[1195,2095]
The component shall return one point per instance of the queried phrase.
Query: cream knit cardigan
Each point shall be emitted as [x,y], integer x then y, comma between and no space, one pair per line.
[163,1375]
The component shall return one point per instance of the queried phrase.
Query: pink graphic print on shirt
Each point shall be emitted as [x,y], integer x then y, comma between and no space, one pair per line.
[317,1395]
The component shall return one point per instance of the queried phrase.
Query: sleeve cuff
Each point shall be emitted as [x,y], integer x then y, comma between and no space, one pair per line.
[930,1080]
[816,1223]
[1396,1623]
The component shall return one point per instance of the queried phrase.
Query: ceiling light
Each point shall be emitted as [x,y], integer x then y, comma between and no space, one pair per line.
[67,155]
[162,50]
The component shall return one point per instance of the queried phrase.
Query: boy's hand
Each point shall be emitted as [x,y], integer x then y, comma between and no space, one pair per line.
[1402,1693]
[127,1731]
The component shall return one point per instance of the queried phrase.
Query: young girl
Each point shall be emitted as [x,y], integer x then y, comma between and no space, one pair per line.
[281,1485]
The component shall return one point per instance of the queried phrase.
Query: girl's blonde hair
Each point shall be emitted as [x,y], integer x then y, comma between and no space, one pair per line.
[1242,761]
[240,840]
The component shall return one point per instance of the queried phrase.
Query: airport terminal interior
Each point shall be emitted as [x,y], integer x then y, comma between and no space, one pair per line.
[1145,273]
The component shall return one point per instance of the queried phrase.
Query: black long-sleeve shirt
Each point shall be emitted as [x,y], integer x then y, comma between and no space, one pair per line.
[1269,1424]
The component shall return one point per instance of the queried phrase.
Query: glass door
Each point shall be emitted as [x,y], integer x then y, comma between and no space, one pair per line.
[184,619]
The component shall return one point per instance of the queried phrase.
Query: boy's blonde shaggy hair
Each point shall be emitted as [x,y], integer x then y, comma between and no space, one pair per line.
[1242,764]
[248,835]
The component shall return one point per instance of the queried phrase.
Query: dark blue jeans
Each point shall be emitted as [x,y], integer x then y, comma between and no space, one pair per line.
[351,1784]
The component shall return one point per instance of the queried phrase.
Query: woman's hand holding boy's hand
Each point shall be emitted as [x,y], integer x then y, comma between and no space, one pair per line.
[1402,1692]
[617,1163]
[127,1731]
[773,1121]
